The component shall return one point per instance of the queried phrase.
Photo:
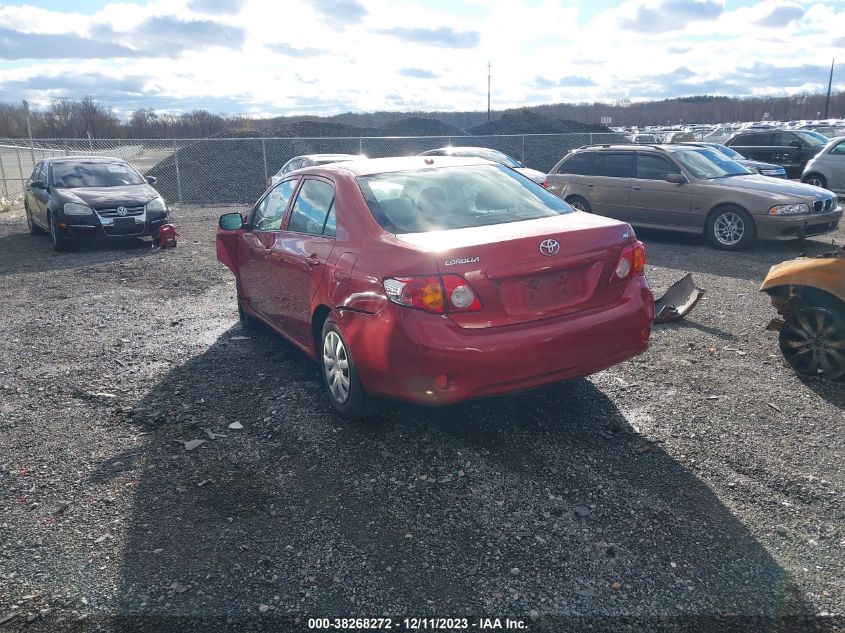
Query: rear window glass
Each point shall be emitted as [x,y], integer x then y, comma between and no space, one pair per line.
[456,198]
[71,175]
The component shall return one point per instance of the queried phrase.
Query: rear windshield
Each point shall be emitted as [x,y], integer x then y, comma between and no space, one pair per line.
[72,175]
[456,198]
[707,163]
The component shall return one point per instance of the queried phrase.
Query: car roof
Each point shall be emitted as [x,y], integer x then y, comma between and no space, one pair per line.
[327,156]
[83,159]
[631,147]
[372,166]
[462,148]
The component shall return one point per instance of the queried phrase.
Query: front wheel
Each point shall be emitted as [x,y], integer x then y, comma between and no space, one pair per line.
[813,341]
[247,321]
[731,229]
[817,180]
[346,394]
[59,243]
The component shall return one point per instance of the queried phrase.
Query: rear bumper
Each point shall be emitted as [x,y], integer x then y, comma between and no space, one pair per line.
[789,227]
[399,353]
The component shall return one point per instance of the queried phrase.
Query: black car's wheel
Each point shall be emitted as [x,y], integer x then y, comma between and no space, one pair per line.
[579,204]
[34,229]
[340,377]
[817,180]
[59,243]
[247,321]
[731,228]
[813,342]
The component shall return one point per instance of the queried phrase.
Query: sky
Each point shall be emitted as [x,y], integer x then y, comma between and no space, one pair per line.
[268,57]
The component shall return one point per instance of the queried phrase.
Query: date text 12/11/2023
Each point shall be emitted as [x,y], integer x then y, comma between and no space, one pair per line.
[417,624]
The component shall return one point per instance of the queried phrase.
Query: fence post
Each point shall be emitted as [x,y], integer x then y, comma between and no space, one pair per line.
[64,143]
[523,149]
[20,167]
[360,145]
[178,177]
[591,138]
[264,151]
[3,176]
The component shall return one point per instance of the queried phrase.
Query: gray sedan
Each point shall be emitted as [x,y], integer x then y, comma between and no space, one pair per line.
[827,168]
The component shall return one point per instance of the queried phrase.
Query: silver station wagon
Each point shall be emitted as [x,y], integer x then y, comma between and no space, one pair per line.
[691,189]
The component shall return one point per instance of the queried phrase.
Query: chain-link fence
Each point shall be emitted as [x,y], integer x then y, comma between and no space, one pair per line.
[234,171]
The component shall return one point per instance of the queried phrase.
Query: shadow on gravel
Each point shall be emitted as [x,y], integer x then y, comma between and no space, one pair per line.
[692,253]
[535,502]
[833,392]
[22,251]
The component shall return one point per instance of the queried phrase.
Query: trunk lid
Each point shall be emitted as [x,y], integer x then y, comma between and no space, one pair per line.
[515,281]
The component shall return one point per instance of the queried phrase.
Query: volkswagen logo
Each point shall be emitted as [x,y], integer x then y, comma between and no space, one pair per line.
[549,247]
[121,211]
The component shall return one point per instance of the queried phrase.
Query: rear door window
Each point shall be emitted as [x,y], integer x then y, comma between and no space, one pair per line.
[838,149]
[577,164]
[652,167]
[270,212]
[312,208]
[613,165]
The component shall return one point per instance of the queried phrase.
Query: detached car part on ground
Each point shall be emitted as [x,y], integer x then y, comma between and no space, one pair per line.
[436,279]
[80,197]
[809,294]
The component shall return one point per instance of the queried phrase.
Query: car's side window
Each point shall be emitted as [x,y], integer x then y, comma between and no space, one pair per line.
[577,164]
[270,213]
[330,228]
[838,149]
[311,209]
[651,167]
[619,165]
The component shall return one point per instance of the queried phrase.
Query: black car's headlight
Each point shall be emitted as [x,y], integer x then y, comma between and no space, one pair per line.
[156,205]
[73,208]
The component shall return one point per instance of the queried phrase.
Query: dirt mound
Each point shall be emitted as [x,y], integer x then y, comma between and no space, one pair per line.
[530,122]
[420,126]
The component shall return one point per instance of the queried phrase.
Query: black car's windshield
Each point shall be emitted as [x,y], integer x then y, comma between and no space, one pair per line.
[708,163]
[813,139]
[71,175]
[456,198]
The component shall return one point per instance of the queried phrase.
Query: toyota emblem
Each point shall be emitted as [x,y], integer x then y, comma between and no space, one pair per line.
[121,211]
[549,247]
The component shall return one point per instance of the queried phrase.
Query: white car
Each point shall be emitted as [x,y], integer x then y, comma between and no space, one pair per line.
[309,160]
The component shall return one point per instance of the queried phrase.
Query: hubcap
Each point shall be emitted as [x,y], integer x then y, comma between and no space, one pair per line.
[336,366]
[578,205]
[816,182]
[729,228]
[813,342]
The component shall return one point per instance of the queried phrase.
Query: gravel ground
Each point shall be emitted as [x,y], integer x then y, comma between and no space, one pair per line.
[697,487]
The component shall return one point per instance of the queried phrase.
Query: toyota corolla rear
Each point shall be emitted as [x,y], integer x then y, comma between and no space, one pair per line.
[512,289]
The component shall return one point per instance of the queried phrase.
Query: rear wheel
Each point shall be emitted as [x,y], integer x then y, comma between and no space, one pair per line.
[817,180]
[346,394]
[731,228]
[579,204]
[59,243]
[813,342]
[34,229]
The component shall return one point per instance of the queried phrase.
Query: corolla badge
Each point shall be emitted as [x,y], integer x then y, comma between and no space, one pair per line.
[549,247]
[461,260]
[121,211]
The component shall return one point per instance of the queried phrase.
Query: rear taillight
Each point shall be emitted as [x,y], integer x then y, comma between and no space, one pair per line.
[545,184]
[433,293]
[631,262]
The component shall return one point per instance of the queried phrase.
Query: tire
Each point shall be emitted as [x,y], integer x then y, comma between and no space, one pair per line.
[34,229]
[730,228]
[813,342]
[247,321]
[579,204]
[817,180]
[340,377]
[59,243]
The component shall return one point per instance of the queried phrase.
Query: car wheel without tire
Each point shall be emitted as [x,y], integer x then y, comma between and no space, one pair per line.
[579,204]
[59,243]
[247,321]
[731,228]
[34,229]
[817,180]
[813,341]
[340,377]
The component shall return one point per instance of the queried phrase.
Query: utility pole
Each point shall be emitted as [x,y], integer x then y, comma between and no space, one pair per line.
[29,131]
[829,86]
[488,92]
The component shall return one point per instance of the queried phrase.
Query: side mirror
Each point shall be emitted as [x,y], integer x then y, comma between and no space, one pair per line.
[677,179]
[151,180]
[231,221]
[37,184]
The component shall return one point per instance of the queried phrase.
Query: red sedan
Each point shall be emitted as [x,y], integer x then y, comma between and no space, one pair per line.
[436,279]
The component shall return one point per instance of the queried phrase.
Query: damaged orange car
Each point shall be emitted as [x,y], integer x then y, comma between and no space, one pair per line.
[809,294]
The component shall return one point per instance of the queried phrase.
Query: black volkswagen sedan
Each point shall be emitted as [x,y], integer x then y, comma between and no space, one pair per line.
[83,197]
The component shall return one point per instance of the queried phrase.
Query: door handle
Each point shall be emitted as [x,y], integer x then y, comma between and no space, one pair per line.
[313,261]
[590,184]
[636,187]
